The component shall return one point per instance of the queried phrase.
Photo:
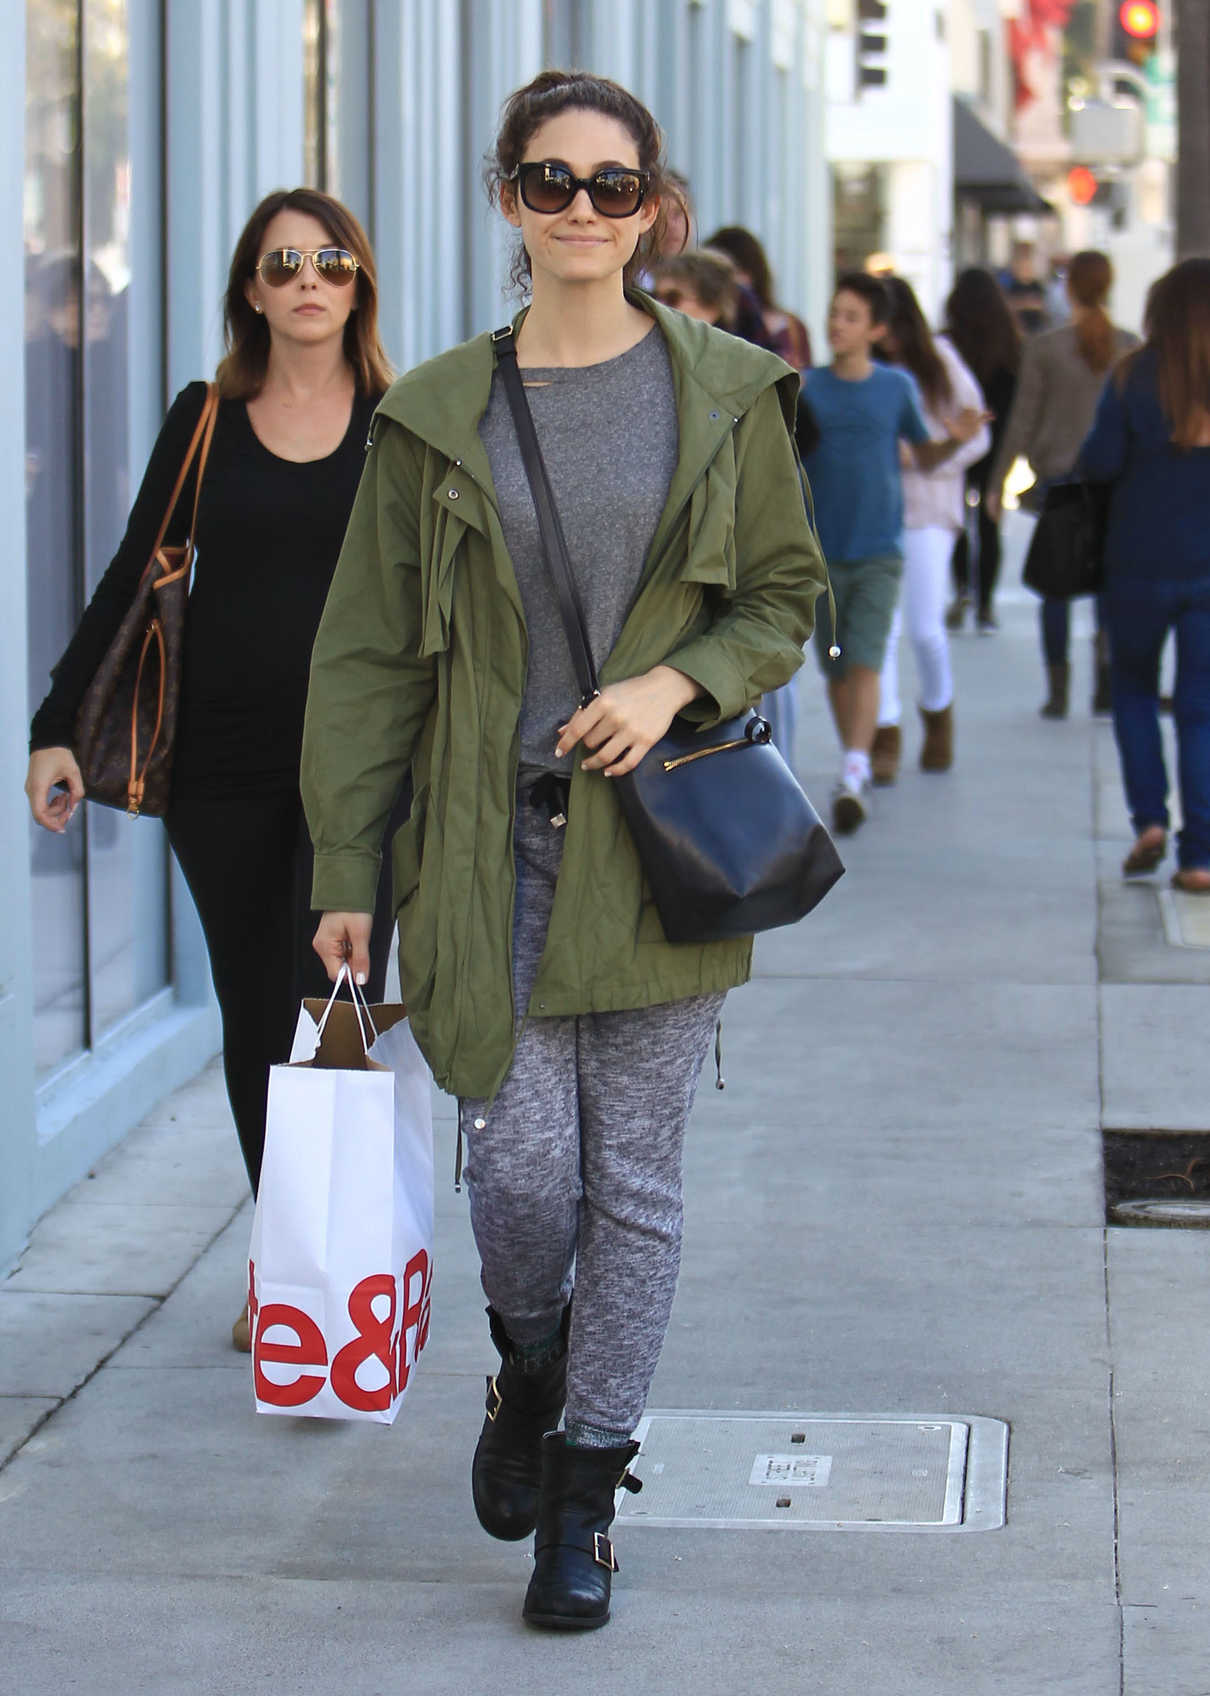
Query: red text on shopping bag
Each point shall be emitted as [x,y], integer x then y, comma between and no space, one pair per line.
[390,1338]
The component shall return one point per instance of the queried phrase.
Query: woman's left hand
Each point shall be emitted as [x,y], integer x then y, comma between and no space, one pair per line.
[627,719]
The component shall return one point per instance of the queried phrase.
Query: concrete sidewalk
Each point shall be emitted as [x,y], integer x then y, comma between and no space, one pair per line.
[895,1207]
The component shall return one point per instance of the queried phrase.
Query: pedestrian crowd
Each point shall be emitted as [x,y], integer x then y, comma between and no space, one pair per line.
[380,722]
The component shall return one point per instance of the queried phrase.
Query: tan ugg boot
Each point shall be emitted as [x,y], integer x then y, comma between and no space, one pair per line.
[937,753]
[884,755]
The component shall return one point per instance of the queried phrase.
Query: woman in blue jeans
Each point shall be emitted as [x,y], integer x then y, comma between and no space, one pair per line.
[1151,439]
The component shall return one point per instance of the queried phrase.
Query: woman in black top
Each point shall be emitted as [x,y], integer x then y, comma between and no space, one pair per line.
[981,326]
[303,373]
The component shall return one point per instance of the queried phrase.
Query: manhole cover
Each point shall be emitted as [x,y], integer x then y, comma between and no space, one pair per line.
[816,1471]
[1157,1177]
[1185,1215]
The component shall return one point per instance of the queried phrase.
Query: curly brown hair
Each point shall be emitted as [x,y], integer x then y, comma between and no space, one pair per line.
[241,373]
[710,276]
[550,93]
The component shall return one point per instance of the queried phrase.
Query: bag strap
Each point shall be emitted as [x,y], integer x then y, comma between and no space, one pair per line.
[202,436]
[554,543]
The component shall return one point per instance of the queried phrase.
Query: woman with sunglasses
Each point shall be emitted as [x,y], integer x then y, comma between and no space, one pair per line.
[540,984]
[303,372]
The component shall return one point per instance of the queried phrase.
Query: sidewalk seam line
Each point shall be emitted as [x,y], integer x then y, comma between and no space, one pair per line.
[157,1304]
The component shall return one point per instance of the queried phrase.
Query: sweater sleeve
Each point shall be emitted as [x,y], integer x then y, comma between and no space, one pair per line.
[54,722]
[370,689]
[756,642]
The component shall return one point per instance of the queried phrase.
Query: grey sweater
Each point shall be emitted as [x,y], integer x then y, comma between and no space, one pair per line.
[608,435]
[1055,403]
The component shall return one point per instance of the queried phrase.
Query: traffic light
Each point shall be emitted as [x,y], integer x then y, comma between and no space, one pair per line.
[871,44]
[1082,185]
[1136,31]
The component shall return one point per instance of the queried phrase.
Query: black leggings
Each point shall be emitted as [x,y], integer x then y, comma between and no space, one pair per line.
[989,561]
[247,860]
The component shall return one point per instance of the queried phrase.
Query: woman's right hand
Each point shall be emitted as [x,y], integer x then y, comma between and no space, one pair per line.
[344,939]
[53,807]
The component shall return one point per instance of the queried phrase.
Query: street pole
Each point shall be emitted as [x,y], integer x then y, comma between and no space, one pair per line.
[1193,128]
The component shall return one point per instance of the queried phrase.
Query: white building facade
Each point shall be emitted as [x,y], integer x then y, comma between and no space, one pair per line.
[148,129]
[891,145]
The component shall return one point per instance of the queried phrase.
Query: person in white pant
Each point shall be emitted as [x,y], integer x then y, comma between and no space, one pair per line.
[933,515]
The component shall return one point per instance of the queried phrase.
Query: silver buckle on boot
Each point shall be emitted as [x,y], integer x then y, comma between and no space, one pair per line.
[608,1560]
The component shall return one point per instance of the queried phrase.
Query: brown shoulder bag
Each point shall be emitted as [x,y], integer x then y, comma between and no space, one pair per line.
[126,723]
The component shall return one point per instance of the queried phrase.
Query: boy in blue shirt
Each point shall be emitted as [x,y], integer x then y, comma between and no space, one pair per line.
[864,412]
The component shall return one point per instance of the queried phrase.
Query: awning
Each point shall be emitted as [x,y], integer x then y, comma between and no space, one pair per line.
[987,171]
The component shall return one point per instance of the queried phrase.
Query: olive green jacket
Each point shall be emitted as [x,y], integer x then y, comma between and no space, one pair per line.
[421,657]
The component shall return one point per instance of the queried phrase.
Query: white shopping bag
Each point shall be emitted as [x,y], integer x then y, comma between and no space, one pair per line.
[341,1261]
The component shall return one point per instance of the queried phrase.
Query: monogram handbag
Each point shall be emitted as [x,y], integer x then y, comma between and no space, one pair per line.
[126,723]
[1066,556]
[728,841]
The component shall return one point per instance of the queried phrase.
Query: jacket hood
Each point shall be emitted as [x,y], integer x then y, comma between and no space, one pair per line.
[442,401]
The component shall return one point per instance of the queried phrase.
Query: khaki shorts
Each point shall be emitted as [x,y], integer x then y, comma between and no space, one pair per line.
[866,591]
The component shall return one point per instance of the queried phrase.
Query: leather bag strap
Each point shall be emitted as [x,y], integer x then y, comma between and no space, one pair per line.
[554,543]
[202,435]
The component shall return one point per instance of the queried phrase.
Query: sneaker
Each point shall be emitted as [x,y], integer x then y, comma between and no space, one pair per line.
[848,809]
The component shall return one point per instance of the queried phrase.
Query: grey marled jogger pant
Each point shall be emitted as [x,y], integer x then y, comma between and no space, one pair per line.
[577,1164]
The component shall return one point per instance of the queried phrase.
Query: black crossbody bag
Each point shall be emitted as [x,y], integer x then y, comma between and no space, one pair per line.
[728,841]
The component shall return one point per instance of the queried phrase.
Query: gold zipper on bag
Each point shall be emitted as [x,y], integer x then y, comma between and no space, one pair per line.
[704,753]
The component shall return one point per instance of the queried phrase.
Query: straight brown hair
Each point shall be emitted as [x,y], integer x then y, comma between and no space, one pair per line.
[241,372]
[980,324]
[916,349]
[1177,325]
[1089,280]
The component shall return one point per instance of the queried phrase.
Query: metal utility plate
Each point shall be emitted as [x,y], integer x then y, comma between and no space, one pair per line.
[818,1472]
[1186,918]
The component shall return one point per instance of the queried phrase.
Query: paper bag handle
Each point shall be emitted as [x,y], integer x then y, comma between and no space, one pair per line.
[360,1006]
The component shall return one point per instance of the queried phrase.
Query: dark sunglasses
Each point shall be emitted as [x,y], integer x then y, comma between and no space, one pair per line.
[615,192]
[334,264]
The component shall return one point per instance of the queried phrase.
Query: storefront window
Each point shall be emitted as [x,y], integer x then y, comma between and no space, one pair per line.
[52,200]
[100,901]
[127,865]
[321,83]
[858,215]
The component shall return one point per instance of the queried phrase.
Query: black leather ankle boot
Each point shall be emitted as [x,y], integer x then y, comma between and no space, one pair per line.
[521,1407]
[574,1562]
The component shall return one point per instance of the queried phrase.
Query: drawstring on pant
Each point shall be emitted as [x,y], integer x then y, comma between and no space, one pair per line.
[720,1081]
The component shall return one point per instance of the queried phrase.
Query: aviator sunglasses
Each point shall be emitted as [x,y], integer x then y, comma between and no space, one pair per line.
[617,191]
[334,264]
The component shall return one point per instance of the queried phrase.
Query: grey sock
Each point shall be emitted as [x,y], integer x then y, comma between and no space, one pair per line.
[580,1436]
